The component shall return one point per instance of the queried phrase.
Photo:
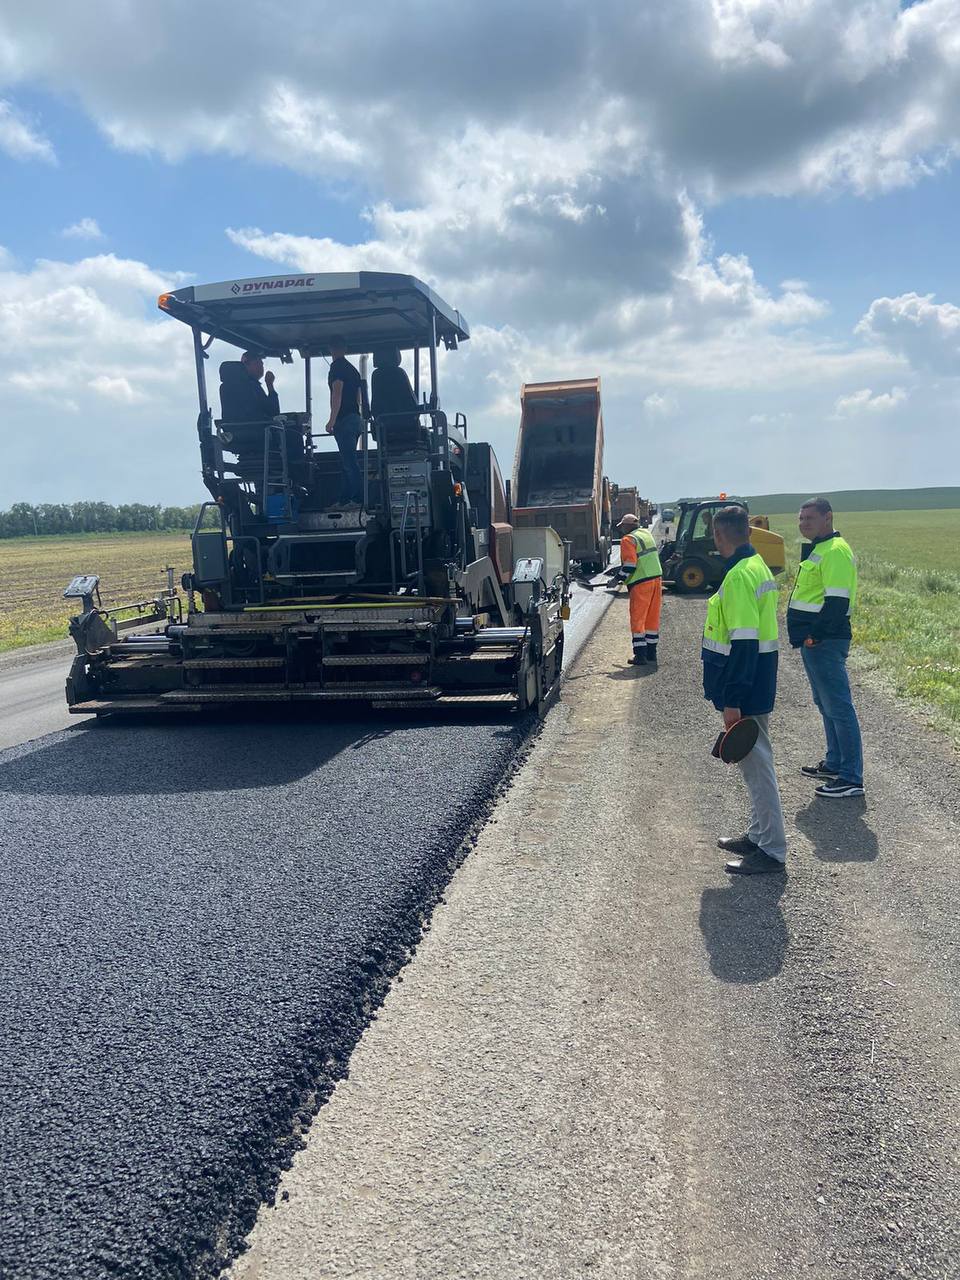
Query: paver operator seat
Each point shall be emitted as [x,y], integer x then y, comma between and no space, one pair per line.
[393,404]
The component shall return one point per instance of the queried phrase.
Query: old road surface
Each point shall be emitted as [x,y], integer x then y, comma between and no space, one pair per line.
[196,922]
[31,692]
[604,1059]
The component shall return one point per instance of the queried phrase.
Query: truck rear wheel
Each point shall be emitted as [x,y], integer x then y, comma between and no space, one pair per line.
[691,576]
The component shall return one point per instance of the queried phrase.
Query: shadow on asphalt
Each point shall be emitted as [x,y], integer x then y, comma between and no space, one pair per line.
[838,831]
[225,750]
[744,929]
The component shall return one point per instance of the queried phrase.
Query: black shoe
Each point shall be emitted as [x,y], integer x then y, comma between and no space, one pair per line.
[754,864]
[839,789]
[818,771]
[737,844]
[652,654]
[638,662]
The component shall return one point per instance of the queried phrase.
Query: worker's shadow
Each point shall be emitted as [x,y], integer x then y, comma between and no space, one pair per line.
[838,831]
[631,673]
[744,929]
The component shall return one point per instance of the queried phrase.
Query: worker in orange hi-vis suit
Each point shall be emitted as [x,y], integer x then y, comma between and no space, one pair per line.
[640,569]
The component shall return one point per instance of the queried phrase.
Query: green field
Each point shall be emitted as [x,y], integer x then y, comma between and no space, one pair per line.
[907,623]
[862,500]
[34,572]
[912,540]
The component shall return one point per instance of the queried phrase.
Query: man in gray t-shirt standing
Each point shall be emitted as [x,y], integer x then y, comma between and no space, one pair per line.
[345,423]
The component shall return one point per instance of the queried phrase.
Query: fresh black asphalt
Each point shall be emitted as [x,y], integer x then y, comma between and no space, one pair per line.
[196,922]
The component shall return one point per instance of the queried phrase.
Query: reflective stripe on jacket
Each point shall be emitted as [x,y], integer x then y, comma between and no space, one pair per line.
[638,552]
[825,592]
[740,637]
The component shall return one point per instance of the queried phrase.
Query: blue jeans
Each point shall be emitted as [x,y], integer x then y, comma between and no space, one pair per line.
[346,432]
[826,666]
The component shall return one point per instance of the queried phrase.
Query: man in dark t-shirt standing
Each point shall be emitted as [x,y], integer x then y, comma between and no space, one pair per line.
[345,423]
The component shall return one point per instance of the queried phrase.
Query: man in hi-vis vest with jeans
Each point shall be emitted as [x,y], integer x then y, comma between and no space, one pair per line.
[640,569]
[818,623]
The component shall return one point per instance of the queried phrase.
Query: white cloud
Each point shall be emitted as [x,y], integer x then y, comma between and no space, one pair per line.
[661,404]
[85,229]
[592,281]
[770,419]
[521,229]
[99,392]
[115,388]
[865,402]
[19,139]
[67,308]
[727,95]
[927,333]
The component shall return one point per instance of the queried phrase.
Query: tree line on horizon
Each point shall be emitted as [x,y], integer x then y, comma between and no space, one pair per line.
[26,520]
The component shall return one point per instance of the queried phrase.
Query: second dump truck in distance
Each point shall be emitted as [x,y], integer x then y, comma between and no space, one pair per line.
[626,500]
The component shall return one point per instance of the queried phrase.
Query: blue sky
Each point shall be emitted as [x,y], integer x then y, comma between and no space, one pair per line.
[741,215]
[848,248]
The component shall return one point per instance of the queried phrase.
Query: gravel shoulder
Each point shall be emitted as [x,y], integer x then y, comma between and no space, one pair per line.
[608,1059]
[29,655]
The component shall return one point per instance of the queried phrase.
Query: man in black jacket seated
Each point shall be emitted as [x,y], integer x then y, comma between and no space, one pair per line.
[242,399]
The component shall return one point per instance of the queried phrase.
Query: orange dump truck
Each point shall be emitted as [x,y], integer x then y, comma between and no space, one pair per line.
[626,500]
[558,469]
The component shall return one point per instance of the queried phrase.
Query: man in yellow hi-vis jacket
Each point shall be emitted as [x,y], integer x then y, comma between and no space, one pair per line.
[818,623]
[740,643]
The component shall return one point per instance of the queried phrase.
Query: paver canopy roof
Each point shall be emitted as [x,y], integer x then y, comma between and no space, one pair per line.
[276,315]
